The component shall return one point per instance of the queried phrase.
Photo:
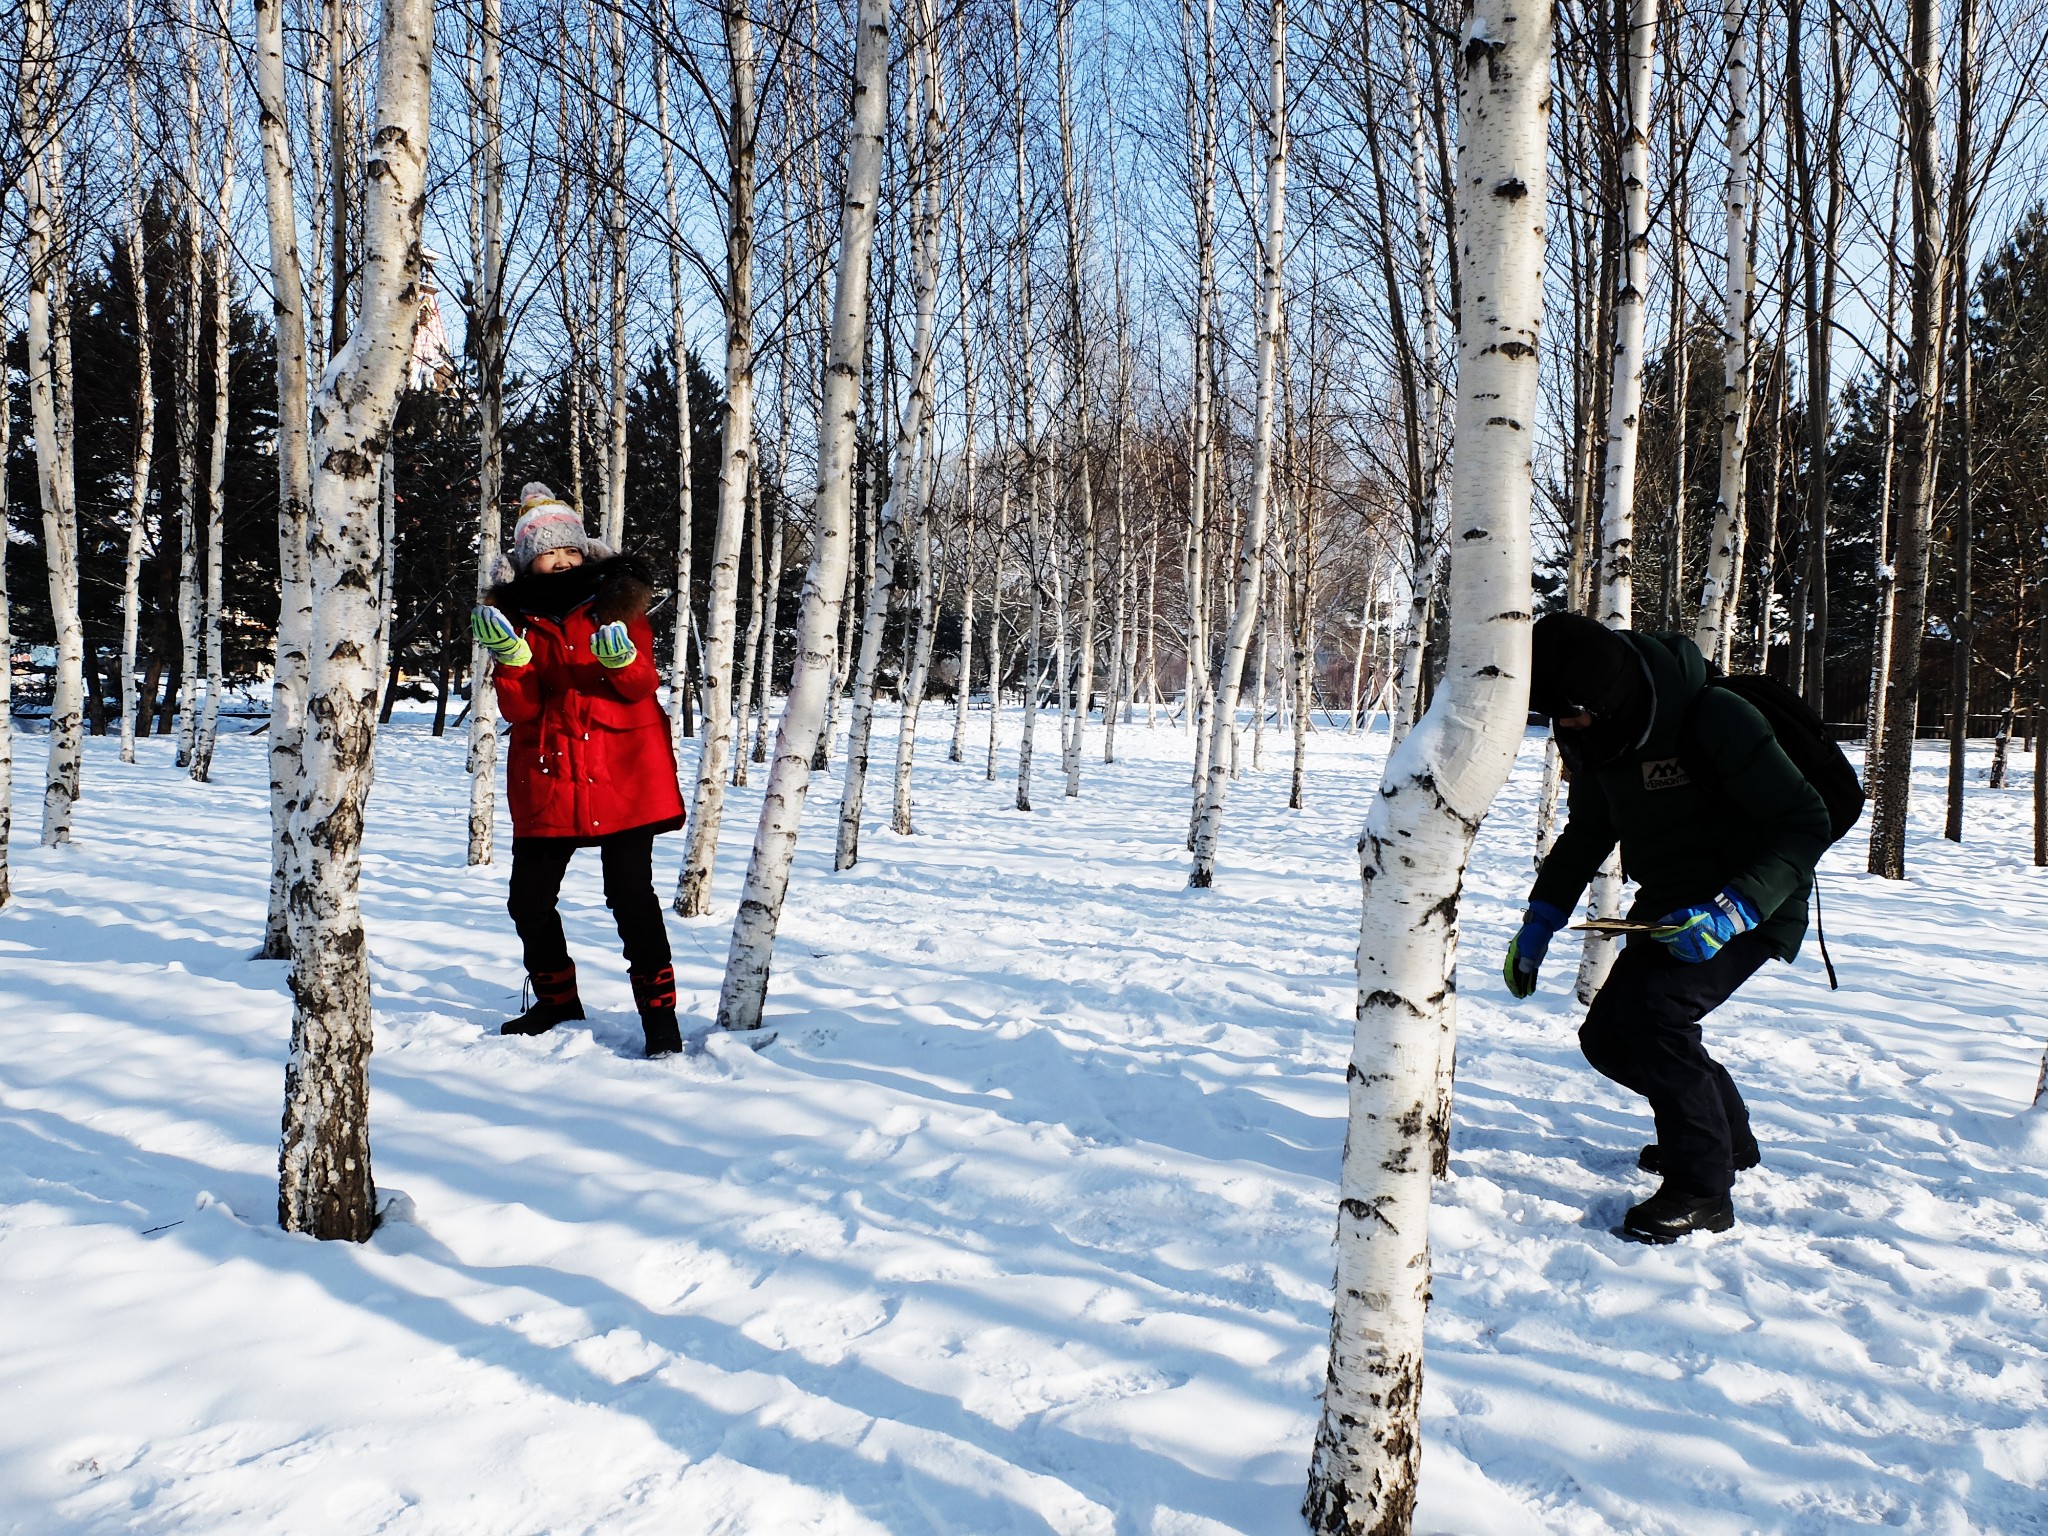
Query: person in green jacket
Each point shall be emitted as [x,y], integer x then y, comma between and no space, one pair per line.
[1721,832]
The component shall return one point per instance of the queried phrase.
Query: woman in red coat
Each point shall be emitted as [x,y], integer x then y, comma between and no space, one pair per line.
[589,763]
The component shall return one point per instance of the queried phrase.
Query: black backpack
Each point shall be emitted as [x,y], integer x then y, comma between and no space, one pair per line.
[1806,741]
[1816,754]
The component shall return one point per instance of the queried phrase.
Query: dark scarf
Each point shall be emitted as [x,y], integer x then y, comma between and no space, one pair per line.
[1578,665]
[620,587]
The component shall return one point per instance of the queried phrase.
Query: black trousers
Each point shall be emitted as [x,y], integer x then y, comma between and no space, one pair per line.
[538,865]
[1643,1031]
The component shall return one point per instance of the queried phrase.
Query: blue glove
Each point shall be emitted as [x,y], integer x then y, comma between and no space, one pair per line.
[1696,933]
[612,648]
[1529,945]
[494,632]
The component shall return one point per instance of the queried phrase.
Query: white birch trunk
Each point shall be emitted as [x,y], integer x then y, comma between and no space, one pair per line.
[145,416]
[1615,601]
[48,252]
[294,477]
[1082,479]
[693,886]
[1724,545]
[1252,551]
[679,655]
[324,1182]
[1435,791]
[6,651]
[765,684]
[747,665]
[782,802]
[995,614]
[904,479]
[1035,544]
[619,251]
[217,462]
[192,283]
[490,351]
[964,686]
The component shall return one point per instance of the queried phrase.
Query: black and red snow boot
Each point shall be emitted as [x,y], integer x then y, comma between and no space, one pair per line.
[654,994]
[554,1002]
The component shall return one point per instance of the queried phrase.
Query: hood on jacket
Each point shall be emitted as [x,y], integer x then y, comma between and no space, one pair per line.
[1677,674]
[619,588]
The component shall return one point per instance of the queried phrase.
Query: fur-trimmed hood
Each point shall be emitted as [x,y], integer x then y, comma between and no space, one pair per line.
[619,587]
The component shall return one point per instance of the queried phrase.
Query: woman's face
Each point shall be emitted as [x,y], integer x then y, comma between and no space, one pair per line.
[548,561]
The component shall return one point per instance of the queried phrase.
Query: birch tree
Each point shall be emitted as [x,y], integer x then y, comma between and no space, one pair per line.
[1252,551]
[1891,789]
[748,963]
[324,1181]
[1724,541]
[217,442]
[736,468]
[1081,477]
[902,507]
[145,402]
[294,476]
[1435,791]
[1614,603]
[679,345]
[489,346]
[48,252]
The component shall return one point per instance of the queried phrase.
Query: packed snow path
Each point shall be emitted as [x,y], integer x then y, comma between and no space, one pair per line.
[1022,1226]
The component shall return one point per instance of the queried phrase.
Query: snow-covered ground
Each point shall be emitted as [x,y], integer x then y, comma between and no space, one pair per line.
[1022,1226]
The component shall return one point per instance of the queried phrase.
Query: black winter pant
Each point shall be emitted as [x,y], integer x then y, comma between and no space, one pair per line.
[538,865]
[1643,1031]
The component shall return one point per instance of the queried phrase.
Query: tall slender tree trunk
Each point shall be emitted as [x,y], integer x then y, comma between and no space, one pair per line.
[48,252]
[1892,791]
[1035,547]
[294,479]
[490,353]
[7,650]
[745,987]
[1883,571]
[1252,551]
[618,249]
[681,723]
[1082,476]
[192,285]
[1962,624]
[901,515]
[693,886]
[324,1182]
[1435,791]
[747,668]
[145,409]
[963,688]
[1724,542]
[1615,602]
[216,479]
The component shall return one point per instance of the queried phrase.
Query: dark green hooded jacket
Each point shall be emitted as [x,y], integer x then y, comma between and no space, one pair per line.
[1725,808]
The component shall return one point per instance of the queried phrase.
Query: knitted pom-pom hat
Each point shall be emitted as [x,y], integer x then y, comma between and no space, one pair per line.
[545,522]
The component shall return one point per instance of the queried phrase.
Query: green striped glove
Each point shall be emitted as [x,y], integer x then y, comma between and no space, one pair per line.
[612,648]
[494,632]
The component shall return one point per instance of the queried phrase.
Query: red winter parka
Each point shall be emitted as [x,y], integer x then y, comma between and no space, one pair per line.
[589,754]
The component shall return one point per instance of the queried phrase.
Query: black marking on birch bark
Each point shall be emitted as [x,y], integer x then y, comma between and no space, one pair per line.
[1390,1000]
[1514,189]
[1366,1210]
[1513,349]
[1475,533]
[1504,421]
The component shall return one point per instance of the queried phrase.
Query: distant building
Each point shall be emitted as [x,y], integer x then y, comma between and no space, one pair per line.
[433,365]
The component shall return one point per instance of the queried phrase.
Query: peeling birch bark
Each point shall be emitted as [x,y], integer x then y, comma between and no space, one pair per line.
[1435,791]
[1724,546]
[324,1182]
[751,956]
[289,674]
[1252,549]
[48,252]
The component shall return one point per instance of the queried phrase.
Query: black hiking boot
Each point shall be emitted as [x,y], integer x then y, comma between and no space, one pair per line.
[1747,1155]
[554,1002]
[1672,1213]
[655,996]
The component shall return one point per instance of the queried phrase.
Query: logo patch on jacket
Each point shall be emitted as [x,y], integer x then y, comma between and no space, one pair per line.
[1665,773]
